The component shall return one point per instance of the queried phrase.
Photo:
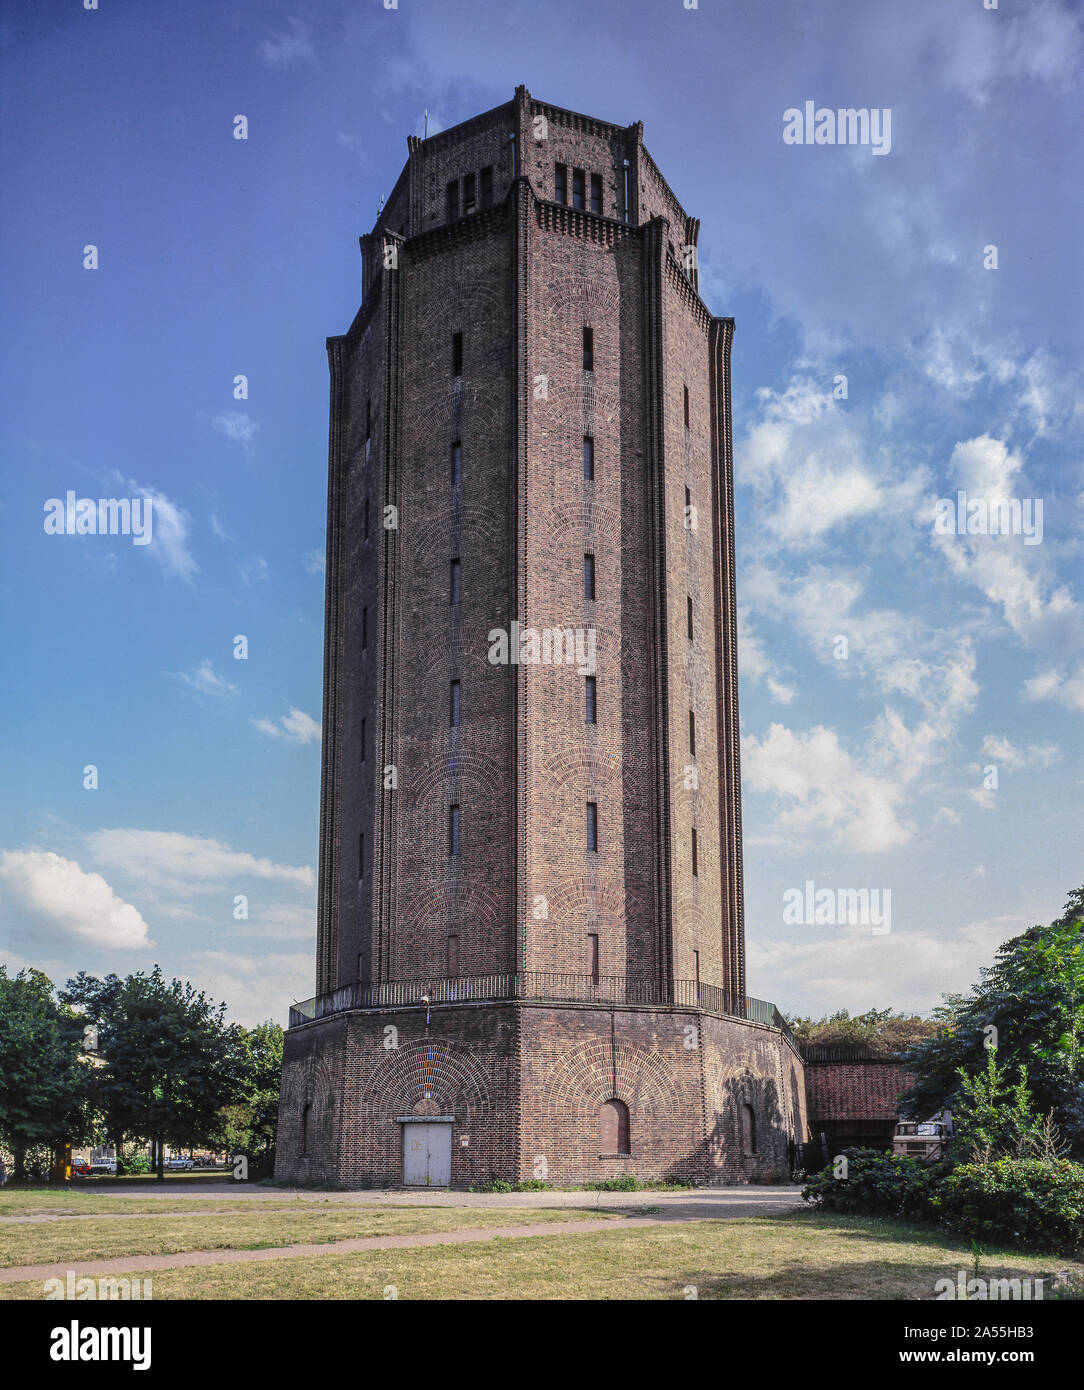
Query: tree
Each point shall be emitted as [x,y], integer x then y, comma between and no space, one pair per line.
[1029,1005]
[250,1124]
[878,1030]
[170,1061]
[43,1087]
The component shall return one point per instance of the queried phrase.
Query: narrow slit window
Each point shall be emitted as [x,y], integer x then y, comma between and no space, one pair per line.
[453,956]
[454,582]
[692,733]
[589,577]
[453,830]
[453,705]
[689,615]
[487,186]
[592,825]
[696,966]
[588,349]
[560,183]
[457,354]
[577,188]
[696,865]
[457,464]
[686,390]
[592,956]
[596,193]
[452,200]
[469,201]
[588,458]
[590,700]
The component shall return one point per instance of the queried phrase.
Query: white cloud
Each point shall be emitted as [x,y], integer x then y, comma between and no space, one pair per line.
[236,425]
[315,561]
[1067,690]
[207,681]
[295,727]
[283,50]
[69,900]
[1036,755]
[169,533]
[848,967]
[820,788]
[182,864]
[254,987]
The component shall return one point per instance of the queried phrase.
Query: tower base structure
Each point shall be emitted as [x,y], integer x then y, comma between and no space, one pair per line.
[459,1093]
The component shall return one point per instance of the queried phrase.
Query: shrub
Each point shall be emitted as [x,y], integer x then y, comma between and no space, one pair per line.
[1033,1202]
[628,1183]
[878,1184]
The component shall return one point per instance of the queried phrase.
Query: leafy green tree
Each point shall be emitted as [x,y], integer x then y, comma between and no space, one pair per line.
[43,1079]
[250,1124]
[878,1030]
[1030,1005]
[995,1116]
[169,1060]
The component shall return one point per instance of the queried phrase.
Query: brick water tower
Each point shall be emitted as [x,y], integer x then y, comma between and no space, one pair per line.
[530,943]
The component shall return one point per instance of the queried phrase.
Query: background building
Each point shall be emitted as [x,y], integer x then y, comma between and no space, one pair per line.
[530,957]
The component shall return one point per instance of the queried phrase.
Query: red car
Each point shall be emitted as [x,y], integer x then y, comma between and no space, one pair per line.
[80,1168]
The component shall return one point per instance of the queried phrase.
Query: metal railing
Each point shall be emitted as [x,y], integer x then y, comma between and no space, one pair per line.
[538,985]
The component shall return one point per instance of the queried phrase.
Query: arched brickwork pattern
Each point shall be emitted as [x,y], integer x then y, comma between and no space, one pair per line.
[454,1078]
[310,1080]
[587,1074]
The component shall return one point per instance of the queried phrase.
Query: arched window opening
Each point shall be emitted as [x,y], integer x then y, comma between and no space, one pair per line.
[748,1130]
[613,1128]
[305,1130]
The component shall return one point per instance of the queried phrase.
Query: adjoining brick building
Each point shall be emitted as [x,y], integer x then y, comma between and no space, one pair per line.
[530,952]
[853,1098]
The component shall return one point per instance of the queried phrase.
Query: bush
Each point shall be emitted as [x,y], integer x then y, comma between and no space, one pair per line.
[1033,1202]
[629,1183]
[878,1184]
[134,1163]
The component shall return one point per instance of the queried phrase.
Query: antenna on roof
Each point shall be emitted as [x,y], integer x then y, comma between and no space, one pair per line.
[426,135]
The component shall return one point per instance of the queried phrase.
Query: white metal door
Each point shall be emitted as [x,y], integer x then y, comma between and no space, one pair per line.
[440,1155]
[427,1155]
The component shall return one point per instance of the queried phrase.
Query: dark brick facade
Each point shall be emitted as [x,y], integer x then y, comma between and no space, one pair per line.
[482,465]
[855,1103]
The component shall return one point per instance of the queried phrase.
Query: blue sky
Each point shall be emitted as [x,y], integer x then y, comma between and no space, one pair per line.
[219,257]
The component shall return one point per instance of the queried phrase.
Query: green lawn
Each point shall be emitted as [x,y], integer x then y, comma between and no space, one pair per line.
[254,1229]
[794,1256]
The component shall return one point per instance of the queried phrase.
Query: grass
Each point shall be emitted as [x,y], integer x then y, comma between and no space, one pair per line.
[795,1256]
[255,1229]
[43,1201]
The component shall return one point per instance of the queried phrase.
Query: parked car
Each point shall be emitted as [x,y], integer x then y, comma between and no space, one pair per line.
[80,1168]
[181,1163]
[104,1165]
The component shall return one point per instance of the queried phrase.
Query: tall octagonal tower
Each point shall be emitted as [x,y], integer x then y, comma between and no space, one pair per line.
[530,948]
